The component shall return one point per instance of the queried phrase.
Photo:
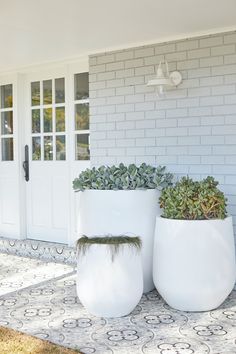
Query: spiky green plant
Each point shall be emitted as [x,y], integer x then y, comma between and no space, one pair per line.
[115,243]
[193,200]
[123,177]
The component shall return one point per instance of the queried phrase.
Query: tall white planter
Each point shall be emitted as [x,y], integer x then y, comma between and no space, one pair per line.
[110,287]
[123,212]
[194,262]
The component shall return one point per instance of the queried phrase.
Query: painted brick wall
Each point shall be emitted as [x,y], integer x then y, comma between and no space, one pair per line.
[192,131]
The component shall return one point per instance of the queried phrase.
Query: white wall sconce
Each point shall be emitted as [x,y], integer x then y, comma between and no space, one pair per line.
[164,80]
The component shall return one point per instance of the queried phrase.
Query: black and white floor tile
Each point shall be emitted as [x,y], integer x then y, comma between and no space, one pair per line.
[39,298]
[46,251]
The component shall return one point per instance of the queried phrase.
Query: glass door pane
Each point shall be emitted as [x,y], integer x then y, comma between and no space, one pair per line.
[7,122]
[7,149]
[35,93]
[60,119]
[60,90]
[48,148]
[61,147]
[36,121]
[81,86]
[82,116]
[47,92]
[47,120]
[6,96]
[82,147]
[36,148]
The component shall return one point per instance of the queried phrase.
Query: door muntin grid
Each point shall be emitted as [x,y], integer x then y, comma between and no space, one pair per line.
[48,120]
[81,116]
[7,123]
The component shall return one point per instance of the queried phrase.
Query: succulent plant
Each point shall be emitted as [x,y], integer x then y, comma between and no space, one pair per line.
[193,200]
[123,177]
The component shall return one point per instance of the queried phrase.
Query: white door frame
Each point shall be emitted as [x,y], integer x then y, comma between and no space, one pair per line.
[10,219]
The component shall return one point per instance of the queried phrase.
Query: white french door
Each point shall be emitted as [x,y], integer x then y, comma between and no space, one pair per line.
[56,140]
[47,161]
[46,112]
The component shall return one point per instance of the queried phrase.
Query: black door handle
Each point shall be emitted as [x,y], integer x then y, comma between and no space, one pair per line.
[26,163]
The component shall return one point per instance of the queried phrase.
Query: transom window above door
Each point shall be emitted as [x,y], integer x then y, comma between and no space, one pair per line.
[81,121]
[48,120]
[6,126]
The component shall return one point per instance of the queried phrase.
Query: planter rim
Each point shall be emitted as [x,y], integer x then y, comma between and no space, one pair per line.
[131,246]
[193,221]
[119,237]
[118,190]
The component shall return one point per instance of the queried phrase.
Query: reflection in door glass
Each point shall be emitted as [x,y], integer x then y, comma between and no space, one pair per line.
[47,92]
[82,116]
[35,93]
[81,86]
[47,120]
[60,119]
[60,90]
[6,96]
[36,148]
[7,149]
[7,122]
[82,147]
[61,147]
[48,148]
[35,120]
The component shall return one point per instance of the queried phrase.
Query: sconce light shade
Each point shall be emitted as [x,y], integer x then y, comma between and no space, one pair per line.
[162,81]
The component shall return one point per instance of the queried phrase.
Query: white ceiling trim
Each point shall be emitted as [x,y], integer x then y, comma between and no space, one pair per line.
[179,37]
[83,59]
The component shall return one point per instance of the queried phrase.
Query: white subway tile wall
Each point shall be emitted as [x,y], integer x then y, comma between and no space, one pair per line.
[192,131]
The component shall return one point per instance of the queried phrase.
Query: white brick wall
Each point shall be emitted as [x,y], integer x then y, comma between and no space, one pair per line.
[192,131]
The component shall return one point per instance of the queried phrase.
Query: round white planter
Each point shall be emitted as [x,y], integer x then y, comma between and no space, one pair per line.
[123,212]
[194,262]
[106,287]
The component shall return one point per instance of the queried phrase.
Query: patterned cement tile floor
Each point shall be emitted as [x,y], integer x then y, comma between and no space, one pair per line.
[40,299]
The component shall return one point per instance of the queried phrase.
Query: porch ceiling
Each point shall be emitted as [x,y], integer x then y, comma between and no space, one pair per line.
[32,32]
